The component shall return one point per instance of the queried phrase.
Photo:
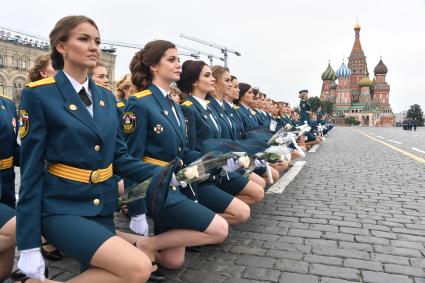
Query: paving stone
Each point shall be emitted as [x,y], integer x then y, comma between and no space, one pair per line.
[338,236]
[304,233]
[363,264]
[285,254]
[335,271]
[196,276]
[291,265]
[372,240]
[406,270]
[255,261]
[344,253]
[386,258]
[355,246]
[288,277]
[397,251]
[262,274]
[330,260]
[324,228]
[381,277]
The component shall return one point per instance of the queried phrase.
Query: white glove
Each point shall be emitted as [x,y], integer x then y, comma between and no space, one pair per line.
[175,183]
[260,163]
[139,225]
[231,165]
[31,263]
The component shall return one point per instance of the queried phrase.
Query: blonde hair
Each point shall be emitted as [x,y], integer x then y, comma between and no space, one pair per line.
[218,72]
[41,63]
[123,84]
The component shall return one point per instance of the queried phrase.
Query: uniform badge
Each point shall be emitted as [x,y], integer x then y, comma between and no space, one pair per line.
[158,129]
[24,123]
[14,124]
[129,125]
[166,112]
[2,107]
[102,103]
[73,107]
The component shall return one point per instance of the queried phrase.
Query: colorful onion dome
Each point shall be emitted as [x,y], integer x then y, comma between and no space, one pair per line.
[381,69]
[343,71]
[365,82]
[333,85]
[329,74]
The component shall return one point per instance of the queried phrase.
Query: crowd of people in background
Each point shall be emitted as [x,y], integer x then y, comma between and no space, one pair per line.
[82,146]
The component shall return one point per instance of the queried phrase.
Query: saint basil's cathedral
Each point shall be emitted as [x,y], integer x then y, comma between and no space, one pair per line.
[355,94]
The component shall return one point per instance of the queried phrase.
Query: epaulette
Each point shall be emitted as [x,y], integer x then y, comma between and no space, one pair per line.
[105,87]
[45,81]
[141,94]
[120,104]
[7,97]
[187,103]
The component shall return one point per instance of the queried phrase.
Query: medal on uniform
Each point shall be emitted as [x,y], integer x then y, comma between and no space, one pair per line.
[73,107]
[129,122]
[24,123]
[14,124]
[102,103]
[158,129]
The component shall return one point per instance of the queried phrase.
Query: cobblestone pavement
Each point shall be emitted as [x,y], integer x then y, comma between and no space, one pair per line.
[355,213]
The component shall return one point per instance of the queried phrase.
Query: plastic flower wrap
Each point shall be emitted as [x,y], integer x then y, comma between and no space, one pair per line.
[282,150]
[277,138]
[135,192]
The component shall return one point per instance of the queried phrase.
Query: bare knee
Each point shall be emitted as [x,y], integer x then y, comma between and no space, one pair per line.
[139,271]
[243,212]
[173,262]
[258,194]
[219,229]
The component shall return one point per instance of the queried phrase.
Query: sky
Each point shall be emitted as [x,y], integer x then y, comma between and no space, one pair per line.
[285,45]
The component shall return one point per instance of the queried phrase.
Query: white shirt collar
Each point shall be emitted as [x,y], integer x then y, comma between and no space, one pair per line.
[218,101]
[201,101]
[76,85]
[164,92]
[230,103]
[247,107]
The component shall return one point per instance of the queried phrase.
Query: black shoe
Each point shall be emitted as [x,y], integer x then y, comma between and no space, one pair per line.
[17,275]
[157,275]
[55,255]
[195,249]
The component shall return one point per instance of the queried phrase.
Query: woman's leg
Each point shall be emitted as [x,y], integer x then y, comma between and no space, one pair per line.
[172,243]
[107,267]
[7,247]
[251,193]
[237,212]
[257,179]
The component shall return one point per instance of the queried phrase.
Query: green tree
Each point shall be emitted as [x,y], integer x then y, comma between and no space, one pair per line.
[327,107]
[351,121]
[415,112]
[315,103]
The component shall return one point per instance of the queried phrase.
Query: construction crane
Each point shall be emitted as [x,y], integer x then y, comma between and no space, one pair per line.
[222,48]
[209,55]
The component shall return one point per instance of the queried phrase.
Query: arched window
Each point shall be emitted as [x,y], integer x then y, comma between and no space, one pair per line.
[1,86]
[24,63]
[18,85]
[15,62]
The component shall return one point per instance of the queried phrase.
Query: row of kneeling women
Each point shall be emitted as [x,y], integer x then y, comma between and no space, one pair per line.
[81,149]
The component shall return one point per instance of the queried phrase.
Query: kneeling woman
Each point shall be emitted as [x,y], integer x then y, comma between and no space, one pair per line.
[71,147]
[197,80]
[155,131]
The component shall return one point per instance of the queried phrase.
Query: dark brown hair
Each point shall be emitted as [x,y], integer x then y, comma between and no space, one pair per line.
[191,70]
[41,63]
[140,66]
[243,89]
[60,33]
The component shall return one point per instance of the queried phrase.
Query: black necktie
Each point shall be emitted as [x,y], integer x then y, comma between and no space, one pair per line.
[170,100]
[84,97]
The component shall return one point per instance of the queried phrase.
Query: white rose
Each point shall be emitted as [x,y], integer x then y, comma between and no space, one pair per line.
[244,161]
[191,172]
[287,127]
[279,140]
